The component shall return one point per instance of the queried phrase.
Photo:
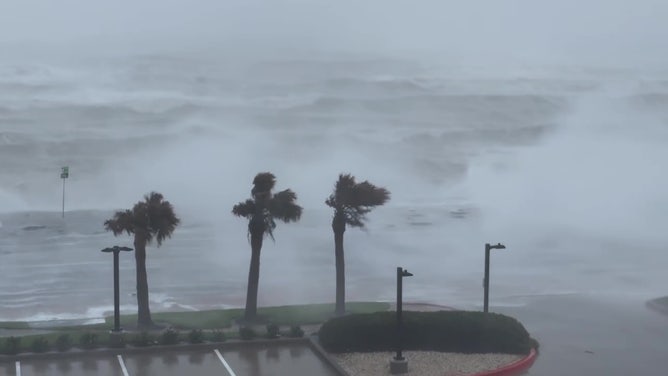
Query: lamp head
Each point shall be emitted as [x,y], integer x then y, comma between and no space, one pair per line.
[497,246]
[116,249]
[405,273]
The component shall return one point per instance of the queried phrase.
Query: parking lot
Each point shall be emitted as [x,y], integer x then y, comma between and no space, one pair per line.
[260,360]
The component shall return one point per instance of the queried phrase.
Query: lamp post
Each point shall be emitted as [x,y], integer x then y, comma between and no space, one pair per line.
[117,316]
[485,282]
[399,364]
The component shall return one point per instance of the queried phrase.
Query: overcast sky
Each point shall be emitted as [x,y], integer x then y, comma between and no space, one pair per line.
[603,29]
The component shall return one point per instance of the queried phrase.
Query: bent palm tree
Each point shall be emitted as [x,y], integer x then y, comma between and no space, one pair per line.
[351,202]
[261,210]
[150,219]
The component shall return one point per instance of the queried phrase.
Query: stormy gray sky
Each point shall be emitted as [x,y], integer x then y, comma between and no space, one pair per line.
[569,30]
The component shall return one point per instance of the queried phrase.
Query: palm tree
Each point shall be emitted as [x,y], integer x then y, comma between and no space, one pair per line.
[153,218]
[351,202]
[261,210]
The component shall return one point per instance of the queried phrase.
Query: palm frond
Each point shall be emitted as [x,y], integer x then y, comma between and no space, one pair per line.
[355,200]
[153,198]
[331,201]
[342,190]
[263,184]
[283,206]
[153,218]
[141,219]
[356,216]
[244,209]
[264,207]
[162,219]
[122,221]
[367,194]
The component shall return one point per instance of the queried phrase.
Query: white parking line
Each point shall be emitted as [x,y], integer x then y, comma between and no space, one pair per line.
[18,368]
[227,366]
[120,361]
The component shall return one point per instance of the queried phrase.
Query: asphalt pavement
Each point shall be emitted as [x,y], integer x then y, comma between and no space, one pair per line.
[253,360]
[583,335]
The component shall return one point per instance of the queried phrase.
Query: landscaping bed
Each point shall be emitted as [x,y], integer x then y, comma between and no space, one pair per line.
[442,331]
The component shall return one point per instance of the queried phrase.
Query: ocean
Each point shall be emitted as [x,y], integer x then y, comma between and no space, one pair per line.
[562,164]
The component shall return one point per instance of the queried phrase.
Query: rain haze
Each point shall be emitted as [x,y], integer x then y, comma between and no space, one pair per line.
[539,125]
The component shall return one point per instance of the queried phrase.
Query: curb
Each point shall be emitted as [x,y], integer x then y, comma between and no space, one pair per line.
[512,369]
[315,345]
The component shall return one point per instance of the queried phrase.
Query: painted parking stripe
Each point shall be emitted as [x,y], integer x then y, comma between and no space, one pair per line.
[227,366]
[18,368]
[122,363]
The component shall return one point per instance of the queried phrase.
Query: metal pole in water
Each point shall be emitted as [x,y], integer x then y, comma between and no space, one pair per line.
[64,174]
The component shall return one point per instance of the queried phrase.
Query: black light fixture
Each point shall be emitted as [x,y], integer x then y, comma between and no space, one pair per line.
[399,364]
[117,316]
[485,282]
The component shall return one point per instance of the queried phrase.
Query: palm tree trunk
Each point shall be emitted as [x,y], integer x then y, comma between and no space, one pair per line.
[339,227]
[253,276]
[143,312]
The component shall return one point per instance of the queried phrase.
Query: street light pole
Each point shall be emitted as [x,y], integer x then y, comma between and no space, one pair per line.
[485,282]
[117,314]
[399,364]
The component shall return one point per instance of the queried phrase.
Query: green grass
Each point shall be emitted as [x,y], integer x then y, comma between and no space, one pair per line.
[283,315]
[185,321]
[314,313]
[223,318]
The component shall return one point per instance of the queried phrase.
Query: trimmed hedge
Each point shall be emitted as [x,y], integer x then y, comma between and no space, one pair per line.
[247,333]
[446,331]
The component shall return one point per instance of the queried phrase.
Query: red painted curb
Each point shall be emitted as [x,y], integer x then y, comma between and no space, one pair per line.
[512,369]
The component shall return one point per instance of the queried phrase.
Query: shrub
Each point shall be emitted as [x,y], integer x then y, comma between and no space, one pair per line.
[12,345]
[196,336]
[116,340]
[272,331]
[142,339]
[218,336]
[247,333]
[39,345]
[296,331]
[169,336]
[447,331]
[88,340]
[63,342]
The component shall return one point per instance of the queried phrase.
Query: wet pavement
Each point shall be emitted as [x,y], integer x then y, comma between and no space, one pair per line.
[260,360]
[591,336]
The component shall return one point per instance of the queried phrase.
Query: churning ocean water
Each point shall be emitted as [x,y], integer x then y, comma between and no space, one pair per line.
[564,165]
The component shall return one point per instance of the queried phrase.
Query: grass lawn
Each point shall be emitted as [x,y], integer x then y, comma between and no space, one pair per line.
[224,318]
[210,321]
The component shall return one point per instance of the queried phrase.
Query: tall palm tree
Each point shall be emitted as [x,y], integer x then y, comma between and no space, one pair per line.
[153,218]
[261,210]
[351,202]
